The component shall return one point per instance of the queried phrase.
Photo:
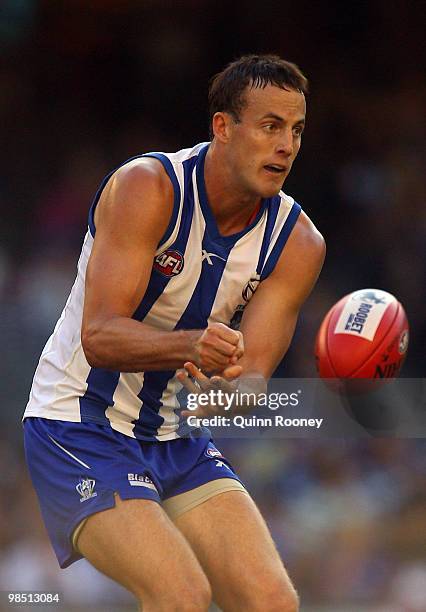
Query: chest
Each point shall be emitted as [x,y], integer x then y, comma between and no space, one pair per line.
[205,281]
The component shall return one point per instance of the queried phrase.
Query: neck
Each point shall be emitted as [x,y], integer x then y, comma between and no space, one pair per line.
[232,207]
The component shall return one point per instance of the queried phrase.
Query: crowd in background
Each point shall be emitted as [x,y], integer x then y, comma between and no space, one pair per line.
[82,89]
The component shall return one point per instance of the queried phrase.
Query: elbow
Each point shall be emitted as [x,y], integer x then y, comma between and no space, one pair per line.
[91,345]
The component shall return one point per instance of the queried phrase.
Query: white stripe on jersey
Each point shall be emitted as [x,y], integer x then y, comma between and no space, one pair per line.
[170,403]
[283,212]
[126,394]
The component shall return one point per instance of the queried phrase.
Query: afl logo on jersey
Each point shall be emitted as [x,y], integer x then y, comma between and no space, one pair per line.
[169,263]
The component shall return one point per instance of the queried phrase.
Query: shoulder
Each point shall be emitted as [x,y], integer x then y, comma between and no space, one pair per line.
[305,249]
[137,191]
[306,236]
[143,173]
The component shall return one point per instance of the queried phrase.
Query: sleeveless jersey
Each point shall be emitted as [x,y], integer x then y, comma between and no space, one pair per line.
[198,277]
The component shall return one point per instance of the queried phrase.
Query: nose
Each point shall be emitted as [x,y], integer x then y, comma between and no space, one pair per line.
[285,144]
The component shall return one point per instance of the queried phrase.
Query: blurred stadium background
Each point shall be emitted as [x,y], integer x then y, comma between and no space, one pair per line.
[85,85]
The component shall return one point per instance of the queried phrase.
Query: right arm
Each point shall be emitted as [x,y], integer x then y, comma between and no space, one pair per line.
[131,218]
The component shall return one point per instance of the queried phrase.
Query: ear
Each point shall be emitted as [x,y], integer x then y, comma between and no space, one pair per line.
[221,126]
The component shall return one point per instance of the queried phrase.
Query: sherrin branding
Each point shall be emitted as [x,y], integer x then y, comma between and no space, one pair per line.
[363,313]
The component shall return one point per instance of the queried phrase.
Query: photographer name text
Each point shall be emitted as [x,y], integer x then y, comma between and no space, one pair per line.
[247,422]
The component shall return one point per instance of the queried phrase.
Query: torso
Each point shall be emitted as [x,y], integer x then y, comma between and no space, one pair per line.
[198,276]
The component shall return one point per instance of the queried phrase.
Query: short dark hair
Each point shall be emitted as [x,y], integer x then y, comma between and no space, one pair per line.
[226,92]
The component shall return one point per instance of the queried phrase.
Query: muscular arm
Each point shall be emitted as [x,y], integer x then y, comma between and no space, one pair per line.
[131,217]
[270,318]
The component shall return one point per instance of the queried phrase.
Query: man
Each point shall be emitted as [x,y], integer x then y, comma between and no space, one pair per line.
[179,245]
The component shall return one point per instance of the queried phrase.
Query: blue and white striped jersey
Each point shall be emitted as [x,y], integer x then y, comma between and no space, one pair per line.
[198,276]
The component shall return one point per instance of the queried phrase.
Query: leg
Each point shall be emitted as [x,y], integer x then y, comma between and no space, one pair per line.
[137,545]
[236,551]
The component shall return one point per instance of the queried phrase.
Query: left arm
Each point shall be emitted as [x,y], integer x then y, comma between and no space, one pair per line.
[269,320]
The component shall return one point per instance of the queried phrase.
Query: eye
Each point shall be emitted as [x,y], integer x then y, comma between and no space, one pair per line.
[270,127]
[298,130]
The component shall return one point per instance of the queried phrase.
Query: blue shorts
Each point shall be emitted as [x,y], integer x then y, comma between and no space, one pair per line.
[77,467]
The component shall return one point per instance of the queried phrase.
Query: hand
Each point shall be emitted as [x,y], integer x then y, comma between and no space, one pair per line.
[203,384]
[218,347]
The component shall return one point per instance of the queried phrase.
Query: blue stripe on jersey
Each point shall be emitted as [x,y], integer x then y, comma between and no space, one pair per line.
[273,208]
[154,385]
[101,385]
[168,167]
[281,240]
[195,316]
[198,310]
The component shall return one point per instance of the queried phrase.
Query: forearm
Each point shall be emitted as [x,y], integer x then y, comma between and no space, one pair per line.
[126,345]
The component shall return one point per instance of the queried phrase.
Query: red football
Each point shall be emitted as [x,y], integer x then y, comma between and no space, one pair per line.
[364,335]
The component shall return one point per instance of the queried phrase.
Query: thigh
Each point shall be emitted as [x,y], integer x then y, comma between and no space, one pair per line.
[76,468]
[234,546]
[136,544]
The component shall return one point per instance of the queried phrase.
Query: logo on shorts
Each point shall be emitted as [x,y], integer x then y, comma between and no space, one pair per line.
[213,452]
[141,480]
[222,464]
[85,489]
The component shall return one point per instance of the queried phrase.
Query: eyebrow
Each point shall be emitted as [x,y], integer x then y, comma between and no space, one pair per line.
[278,118]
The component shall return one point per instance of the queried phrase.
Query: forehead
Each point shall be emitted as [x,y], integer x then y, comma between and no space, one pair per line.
[271,99]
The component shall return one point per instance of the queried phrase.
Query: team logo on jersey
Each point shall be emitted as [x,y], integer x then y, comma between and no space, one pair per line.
[246,294]
[169,263]
[85,489]
[250,288]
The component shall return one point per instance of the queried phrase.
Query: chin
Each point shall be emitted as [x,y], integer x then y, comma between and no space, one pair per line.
[271,191]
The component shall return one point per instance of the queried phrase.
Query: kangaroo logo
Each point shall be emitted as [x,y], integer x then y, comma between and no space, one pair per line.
[370,296]
[85,489]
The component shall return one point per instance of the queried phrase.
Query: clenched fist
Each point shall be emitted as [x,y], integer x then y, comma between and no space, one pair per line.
[217,348]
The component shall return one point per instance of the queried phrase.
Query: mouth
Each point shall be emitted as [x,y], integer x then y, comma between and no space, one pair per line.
[275,169]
